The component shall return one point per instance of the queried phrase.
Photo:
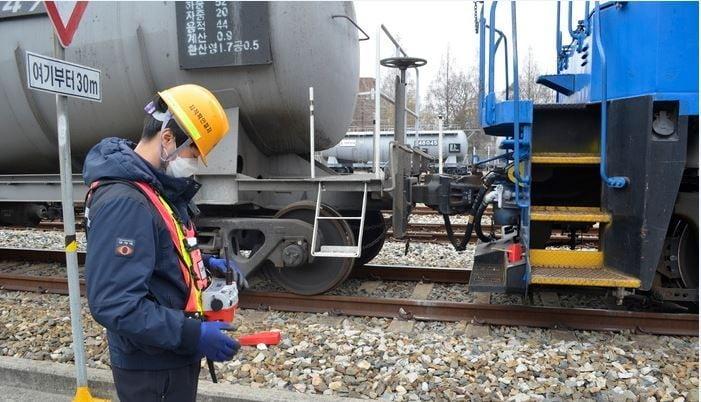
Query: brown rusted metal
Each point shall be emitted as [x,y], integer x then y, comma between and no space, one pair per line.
[435,232]
[407,273]
[493,314]
[40,284]
[37,255]
[370,271]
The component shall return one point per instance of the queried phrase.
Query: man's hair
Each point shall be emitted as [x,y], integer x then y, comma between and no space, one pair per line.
[153,126]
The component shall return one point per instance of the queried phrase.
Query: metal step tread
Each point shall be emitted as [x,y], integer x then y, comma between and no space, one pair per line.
[577,259]
[604,277]
[487,278]
[557,158]
[337,251]
[568,214]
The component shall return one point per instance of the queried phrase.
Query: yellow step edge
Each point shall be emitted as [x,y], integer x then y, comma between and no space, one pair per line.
[553,158]
[603,277]
[566,259]
[568,214]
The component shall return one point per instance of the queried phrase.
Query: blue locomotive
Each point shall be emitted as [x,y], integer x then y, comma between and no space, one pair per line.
[617,152]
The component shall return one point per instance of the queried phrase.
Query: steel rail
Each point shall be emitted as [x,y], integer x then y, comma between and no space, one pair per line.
[406,273]
[432,310]
[37,255]
[485,314]
[461,226]
[369,271]
[441,237]
[39,284]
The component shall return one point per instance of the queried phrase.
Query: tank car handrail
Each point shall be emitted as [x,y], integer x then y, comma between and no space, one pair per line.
[367,37]
[311,134]
[440,144]
[394,41]
[617,181]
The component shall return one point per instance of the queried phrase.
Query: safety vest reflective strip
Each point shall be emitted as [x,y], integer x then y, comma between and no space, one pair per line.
[194,280]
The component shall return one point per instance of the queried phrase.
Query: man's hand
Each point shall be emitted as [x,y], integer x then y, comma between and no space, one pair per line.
[220,265]
[214,344]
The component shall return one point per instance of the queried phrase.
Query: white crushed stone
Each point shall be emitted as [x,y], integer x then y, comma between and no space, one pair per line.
[437,361]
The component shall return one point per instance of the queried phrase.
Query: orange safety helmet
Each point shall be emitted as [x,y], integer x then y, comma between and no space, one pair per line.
[199,114]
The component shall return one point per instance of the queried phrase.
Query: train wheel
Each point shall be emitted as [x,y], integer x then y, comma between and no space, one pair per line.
[679,265]
[373,238]
[324,273]
[688,254]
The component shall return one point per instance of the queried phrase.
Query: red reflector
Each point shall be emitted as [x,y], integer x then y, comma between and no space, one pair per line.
[514,253]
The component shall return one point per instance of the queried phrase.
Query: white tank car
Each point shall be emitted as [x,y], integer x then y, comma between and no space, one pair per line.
[286,47]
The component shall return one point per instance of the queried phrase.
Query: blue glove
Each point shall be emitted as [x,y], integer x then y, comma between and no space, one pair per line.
[219,264]
[214,344]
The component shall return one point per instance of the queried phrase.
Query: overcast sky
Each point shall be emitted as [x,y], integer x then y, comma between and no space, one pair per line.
[427,28]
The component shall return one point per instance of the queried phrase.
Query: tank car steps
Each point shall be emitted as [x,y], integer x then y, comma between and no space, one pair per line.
[553,158]
[338,251]
[575,268]
[568,214]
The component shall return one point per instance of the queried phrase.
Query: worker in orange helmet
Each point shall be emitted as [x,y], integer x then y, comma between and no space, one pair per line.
[144,272]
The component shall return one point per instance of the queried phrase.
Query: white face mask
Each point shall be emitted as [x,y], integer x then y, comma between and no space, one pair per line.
[182,167]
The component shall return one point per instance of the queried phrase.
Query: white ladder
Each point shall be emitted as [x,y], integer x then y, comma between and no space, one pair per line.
[338,251]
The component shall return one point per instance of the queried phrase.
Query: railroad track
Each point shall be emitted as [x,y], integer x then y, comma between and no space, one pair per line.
[435,232]
[405,309]
[417,231]
[421,210]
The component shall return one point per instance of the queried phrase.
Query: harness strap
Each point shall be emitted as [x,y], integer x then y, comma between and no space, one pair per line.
[190,260]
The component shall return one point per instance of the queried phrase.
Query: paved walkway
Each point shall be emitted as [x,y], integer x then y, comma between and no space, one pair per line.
[15,394]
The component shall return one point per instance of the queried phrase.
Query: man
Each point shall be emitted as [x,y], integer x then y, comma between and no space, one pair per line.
[144,272]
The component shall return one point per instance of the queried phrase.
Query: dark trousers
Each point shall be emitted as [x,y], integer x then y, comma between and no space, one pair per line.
[173,385]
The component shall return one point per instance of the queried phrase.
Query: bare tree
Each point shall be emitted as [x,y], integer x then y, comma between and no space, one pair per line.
[453,94]
[528,75]
[387,86]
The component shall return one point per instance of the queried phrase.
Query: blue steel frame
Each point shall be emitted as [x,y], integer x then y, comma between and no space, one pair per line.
[648,43]
[617,181]
[651,47]
[509,118]
[516,112]
[654,48]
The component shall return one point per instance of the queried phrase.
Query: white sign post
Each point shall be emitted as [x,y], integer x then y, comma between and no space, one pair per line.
[67,79]
[440,144]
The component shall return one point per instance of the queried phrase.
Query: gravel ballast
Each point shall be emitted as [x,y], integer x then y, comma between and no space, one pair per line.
[361,357]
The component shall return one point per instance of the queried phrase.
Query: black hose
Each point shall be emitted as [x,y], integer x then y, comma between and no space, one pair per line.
[478,224]
[451,235]
[486,185]
[480,207]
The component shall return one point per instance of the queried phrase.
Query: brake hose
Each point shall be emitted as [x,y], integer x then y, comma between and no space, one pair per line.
[478,223]
[486,185]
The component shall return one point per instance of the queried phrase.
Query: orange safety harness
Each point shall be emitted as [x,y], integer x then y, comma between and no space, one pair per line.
[184,241]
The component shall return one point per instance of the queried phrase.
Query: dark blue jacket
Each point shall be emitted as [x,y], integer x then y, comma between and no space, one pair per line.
[134,283]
